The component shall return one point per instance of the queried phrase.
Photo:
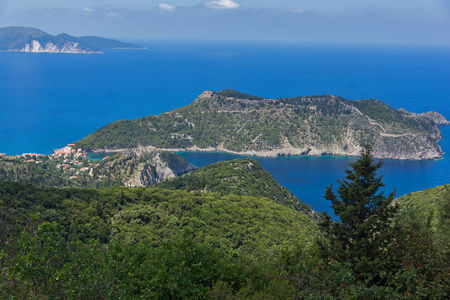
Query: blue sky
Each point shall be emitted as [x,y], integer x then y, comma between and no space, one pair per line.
[355,21]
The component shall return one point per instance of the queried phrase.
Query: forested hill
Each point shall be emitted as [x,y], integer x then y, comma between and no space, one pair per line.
[430,206]
[240,177]
[147,167]
[429,210]
[314,125]
[155,243]
[248,225]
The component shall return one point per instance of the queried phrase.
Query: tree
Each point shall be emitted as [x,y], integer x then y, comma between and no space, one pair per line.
[362,236]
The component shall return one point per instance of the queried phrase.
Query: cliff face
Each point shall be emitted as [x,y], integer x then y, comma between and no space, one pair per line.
[25,39]
[144,166]
[49,47]
[314,125]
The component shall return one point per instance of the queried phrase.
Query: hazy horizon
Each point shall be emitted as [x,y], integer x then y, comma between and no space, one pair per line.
[326,21]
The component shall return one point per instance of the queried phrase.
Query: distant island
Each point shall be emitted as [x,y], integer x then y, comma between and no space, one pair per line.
[239,123]
[27,39]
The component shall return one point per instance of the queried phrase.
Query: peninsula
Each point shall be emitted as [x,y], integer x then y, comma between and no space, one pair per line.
[26,39]
[239,123]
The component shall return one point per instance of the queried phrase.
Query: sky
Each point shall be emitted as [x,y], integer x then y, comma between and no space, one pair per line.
[422,22]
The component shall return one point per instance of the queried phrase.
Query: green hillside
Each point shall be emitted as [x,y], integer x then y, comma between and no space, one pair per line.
[237,224]
[314,125]
[154,243]
[240,177]
[430,211]
[147,167]
[430,205]
[20,171]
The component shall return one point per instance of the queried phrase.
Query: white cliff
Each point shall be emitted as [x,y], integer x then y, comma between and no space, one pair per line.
[68,47]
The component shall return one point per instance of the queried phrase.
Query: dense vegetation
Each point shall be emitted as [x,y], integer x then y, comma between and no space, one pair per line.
[238,224]
[429,209]
[20,171]
[155,243]
[364,233]
[147,167]
[314,125]
[240,177]
[431,204]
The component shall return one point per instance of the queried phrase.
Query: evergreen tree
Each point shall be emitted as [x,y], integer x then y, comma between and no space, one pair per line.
[362,235]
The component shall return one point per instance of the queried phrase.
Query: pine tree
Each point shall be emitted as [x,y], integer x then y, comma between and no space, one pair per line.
[362,235]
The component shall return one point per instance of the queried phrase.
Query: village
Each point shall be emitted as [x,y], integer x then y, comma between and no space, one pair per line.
[69,161]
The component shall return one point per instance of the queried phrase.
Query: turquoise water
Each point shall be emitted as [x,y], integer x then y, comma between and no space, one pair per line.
[48,100]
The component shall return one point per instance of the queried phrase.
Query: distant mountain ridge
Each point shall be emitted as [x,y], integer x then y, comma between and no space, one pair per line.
[27,39]
[103,43]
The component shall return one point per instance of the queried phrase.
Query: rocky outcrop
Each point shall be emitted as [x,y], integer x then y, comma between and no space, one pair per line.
[436,117]
[144,166]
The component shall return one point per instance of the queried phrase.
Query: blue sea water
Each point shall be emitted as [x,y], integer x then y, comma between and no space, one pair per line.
[50,100]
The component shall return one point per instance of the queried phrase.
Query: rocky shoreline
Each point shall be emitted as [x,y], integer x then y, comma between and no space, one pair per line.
[292,151]
[309,152]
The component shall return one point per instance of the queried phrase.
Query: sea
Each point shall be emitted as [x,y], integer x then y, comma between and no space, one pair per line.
[50,100]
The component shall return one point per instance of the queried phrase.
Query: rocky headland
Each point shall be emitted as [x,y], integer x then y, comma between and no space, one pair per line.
[143,166]
[436,117]
[25,39]
[239,123]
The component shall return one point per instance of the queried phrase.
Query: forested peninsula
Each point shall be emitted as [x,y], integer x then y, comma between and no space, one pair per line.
[239,123]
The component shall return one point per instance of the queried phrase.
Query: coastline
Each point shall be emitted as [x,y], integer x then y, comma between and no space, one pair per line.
[52,52]
[283,152]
